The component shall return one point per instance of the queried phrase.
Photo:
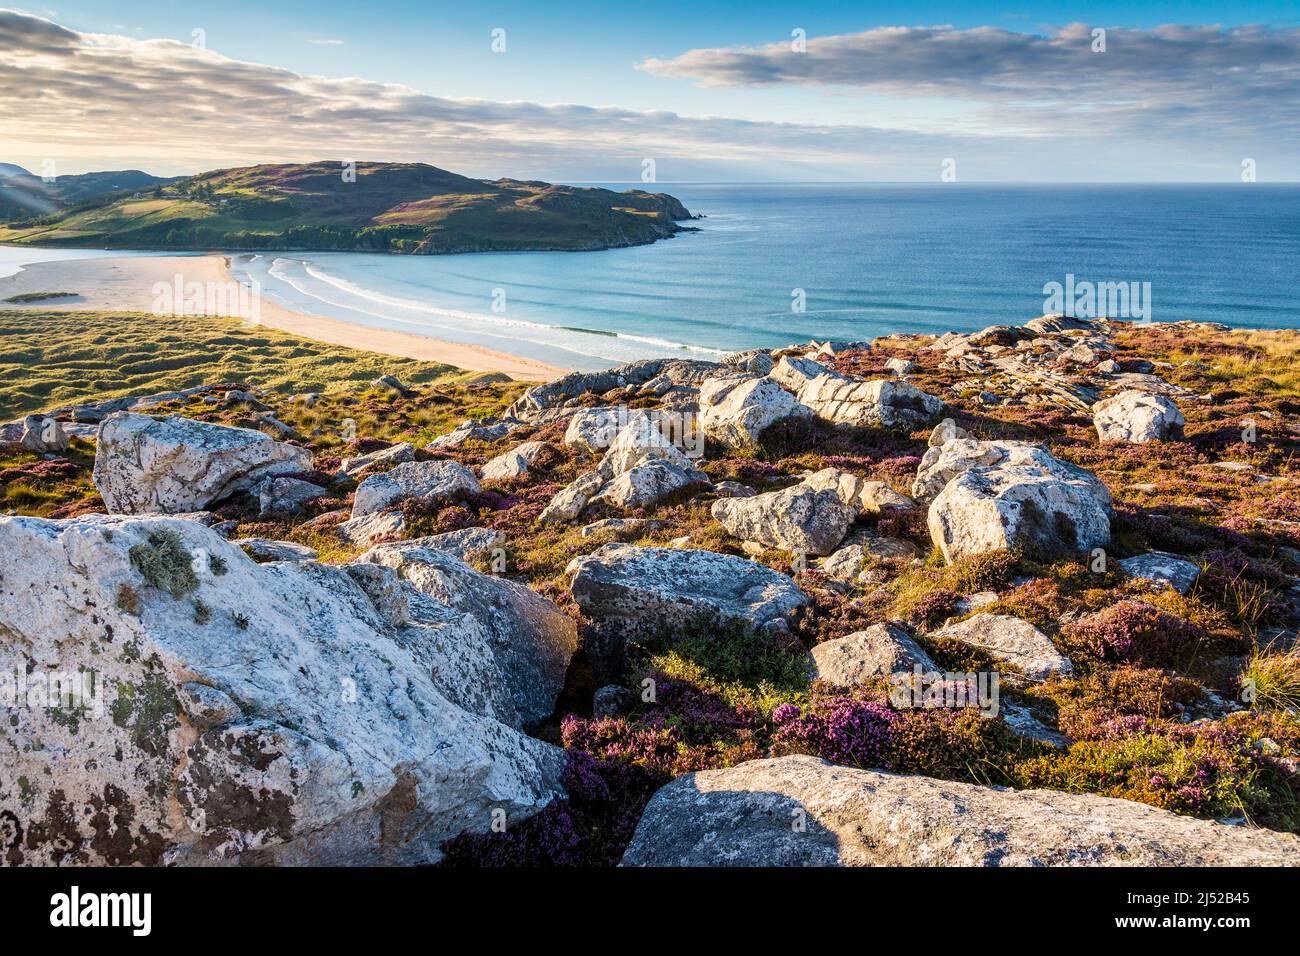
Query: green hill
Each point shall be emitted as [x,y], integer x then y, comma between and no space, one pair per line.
[24,195]
[387,207]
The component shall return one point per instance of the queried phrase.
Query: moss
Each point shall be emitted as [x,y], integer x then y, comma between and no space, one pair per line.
[164,563]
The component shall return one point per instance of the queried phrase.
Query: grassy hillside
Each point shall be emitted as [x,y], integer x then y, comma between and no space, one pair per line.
[53,359]
[390,207]
[24,196]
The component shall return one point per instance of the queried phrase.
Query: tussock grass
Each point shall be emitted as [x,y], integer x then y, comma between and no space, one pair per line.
[51,359]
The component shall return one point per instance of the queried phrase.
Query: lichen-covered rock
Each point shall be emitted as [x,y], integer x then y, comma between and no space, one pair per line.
[648,483]
[1137,416]
[793,372]
[798,519]
[285,495]
[888,403]
[633,593]
[758,361]
[592,430]
[864,497]
[514,463]
[942,463]
[1163,568]
[392,455]
[569,501]
[1010,639]
[1048,514]
[322,737]
[264,549]
[946,431]
[532,640]
[802,811]
[465,543]
[734,412]
[430,481]
[880,651]
[475,429]
[367,529]
[174,464]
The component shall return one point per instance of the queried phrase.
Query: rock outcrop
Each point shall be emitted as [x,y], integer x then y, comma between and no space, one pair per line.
[798,519]
[168,465]
[801,811]
[274,713]
[633,593]
[1138,417]
[879,651]
[1009,639]
[734,412]
[434,482]
[529,638]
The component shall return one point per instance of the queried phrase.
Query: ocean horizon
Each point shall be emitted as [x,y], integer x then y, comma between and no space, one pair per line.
[777,263]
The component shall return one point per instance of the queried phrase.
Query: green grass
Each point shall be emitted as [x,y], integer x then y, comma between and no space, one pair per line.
[38,296]
[53,359]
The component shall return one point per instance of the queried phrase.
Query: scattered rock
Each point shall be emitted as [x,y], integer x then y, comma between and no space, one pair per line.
[900,366]
[482,430]
[757,361]
[514,463]
[465,543]
[879,651]
[1010,639]
[799,519]
[384,457]
[430,481]
[390,383]
[734,412]
[610,701]
[633,593]
[946,431]
[1135,416]
[1162,567]
[622,529]
[367,529]
[144,464]
[286,495]
[43,434]
[887,403]
[865,498]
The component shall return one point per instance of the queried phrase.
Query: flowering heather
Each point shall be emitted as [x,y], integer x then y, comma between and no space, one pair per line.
[1134,632]
[842,730]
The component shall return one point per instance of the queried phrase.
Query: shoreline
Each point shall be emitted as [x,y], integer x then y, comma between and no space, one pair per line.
[125,285]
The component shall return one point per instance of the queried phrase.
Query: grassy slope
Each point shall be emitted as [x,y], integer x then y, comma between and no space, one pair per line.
[390,207]
[52,359]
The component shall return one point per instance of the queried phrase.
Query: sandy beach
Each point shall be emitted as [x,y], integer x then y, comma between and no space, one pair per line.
[127,284]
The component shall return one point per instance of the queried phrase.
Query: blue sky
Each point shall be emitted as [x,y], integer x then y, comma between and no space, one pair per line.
[861,104]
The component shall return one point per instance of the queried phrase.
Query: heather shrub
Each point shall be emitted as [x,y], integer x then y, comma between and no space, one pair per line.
[1091,705]
[1135,632]
[844,730]
[957,744]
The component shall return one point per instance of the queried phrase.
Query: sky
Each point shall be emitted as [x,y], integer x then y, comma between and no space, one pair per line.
[695,91]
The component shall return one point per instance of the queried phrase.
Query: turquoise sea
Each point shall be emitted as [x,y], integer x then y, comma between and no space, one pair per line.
[869,259]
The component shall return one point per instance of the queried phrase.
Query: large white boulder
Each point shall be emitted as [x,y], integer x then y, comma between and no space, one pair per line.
[734,412]
[1138,417]
[882,650]
[530,638]
[1049,514]
[275,713]
[941,463]
[746,815]
[888,403]
[171,465]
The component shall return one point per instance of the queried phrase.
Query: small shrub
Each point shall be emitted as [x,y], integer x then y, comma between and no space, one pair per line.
[1272,679]
[164,563]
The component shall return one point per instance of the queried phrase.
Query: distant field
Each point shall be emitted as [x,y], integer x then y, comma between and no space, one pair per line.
[51,359]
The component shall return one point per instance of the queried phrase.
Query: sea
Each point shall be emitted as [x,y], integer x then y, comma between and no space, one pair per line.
[774,264]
